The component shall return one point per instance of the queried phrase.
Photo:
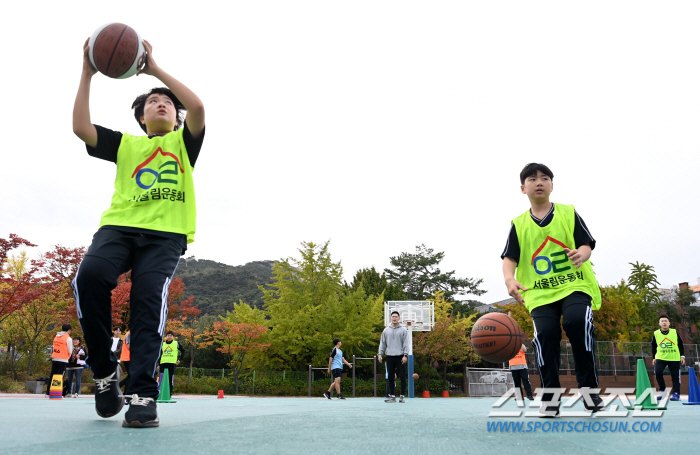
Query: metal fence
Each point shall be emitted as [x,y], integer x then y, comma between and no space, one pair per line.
[488,382]
[616,358]
[223,373]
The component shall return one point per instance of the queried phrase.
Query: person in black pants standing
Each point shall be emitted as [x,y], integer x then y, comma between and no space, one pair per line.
[520,373]
[667,349]
[170,356]
[394,344]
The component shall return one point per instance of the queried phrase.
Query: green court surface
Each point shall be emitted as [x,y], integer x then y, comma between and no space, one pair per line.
[32,424]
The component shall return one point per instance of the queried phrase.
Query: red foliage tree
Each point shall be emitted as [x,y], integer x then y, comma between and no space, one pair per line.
[121,298]
[236,340]
[10,244]
[61,263]
[19,282]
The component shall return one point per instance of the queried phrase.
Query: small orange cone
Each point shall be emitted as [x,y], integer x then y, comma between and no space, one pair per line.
[221,394]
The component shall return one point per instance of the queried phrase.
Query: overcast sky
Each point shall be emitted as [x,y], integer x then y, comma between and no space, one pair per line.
[379,125]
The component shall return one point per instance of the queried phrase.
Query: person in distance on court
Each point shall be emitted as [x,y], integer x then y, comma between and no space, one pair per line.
[335,367]
[518,369]
[62,349]
[667,350]
[117,342]
[75,366]
[171,353]
[150,222]
[125,360]
[546,267]
[394,344]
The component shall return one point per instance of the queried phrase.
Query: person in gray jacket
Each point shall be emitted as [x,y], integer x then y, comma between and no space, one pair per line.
[394,344]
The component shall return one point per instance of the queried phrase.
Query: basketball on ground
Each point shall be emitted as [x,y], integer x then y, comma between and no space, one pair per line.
[117,51]
[496,337]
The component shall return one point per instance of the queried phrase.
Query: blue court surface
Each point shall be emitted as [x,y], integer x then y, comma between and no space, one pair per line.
[32,424]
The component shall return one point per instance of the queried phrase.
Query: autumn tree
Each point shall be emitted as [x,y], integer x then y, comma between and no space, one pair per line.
[179,311]
[61,263]
[18,276]
[7,245]
[420,276]
[121,300]
[448,341]
[38,317]
[520,314]
[12,337]
[236,340]
[194,339]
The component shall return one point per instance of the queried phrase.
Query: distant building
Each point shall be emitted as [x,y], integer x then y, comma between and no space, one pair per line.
[489,307]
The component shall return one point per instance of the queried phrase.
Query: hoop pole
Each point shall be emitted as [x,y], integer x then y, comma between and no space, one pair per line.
[353,375]
[410,361]
[375,376]
[309,380]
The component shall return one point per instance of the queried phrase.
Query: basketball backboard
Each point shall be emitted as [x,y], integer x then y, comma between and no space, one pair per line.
[419,313]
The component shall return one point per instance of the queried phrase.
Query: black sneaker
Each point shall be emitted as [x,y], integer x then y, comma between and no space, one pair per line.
[327,395]
[391,399]
[108,398]
[549,412]
[597,403]
[340,397]
[142,413]
[530,397]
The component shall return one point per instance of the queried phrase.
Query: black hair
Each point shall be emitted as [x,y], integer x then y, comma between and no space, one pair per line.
[140,102]
[116,327]
[395,311]
[532,168]
[336,341]
[169,332]
[664,316]
[78,338]
[66,327]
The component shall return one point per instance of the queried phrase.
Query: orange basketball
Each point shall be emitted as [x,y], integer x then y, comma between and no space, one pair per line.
[117,51]
[496,337]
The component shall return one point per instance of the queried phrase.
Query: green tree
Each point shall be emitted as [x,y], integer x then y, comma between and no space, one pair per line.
[643,278]
[447,342]
[420,276]
[307,307]
[679,309]
[375,284]
[645,284]
[621,316]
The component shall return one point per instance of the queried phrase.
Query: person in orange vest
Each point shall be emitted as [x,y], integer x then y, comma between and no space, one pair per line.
[62,349]
[125,359]
[518,369]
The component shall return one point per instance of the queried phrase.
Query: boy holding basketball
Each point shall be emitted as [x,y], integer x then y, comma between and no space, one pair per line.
[546,267]
[146,230]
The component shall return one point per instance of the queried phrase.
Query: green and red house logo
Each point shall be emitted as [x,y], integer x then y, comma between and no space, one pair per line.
[168,168]
[553,262]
